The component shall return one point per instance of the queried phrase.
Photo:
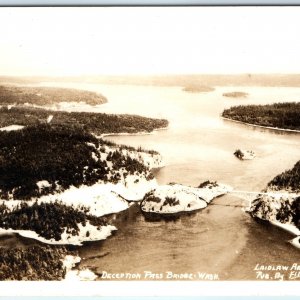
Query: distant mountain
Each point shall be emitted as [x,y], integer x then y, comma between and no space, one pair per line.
[288,80]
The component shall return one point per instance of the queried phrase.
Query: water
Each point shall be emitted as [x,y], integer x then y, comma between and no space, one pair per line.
[197,146]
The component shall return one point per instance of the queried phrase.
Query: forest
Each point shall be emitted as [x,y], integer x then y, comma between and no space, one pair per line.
[62,155]
[10,94]
[277,115]
[98,123]
[289,180]
[48,220]
[32,263]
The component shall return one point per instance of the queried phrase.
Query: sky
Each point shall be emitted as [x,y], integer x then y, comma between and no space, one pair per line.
[79,41]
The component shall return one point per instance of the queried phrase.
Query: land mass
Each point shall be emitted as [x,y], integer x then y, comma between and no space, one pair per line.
[59,178]
[177,198]
[277,115]
[97,123]
[42,96]
[58,181]
[211,80]
[280,203]
[32,263]
[62,156]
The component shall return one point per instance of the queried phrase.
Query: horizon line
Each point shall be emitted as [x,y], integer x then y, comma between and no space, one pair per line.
[154,74]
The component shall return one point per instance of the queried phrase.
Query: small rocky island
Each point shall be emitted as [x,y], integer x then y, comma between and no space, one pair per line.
[235,95]
[244,154]
[198,89]
[177,198]
[280,204]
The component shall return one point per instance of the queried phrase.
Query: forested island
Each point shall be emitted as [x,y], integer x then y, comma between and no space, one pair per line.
[277,115]
[10,94]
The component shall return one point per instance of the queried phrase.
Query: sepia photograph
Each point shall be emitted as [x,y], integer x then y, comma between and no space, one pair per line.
[149,144]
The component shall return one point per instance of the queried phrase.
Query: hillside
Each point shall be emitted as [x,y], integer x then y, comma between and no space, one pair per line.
[281,206]
[57,183]
[32,263]
[59,155]
[289,180]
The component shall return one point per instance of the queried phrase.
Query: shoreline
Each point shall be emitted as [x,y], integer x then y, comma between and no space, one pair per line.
[270,216]
[292,229]
[176,198]
[260,126]
[96,235]
[70,263]
[133,133]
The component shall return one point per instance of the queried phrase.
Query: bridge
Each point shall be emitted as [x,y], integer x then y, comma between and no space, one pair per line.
[248,196]
[253,195]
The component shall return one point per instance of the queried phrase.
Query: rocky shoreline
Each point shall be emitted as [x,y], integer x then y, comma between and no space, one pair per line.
[260,126]
[280,203]
[280,209]
[177,198]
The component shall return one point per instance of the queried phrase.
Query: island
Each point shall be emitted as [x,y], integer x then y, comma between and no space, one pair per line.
[244,154]
[235,94]
[176,198]
[41,96]
[198,89]
[277,116]
[280,202]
